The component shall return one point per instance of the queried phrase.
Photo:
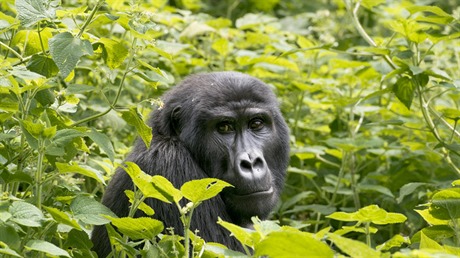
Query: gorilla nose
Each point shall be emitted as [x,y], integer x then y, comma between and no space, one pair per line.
[251,166]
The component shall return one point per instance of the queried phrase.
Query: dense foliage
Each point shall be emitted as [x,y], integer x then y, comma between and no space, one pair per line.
[370,90]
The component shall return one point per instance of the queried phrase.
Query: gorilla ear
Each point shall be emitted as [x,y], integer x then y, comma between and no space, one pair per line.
[175,117]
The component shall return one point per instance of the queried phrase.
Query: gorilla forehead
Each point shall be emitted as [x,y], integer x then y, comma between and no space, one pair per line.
[220,89]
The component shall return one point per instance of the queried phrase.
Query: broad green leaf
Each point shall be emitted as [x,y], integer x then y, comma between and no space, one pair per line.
[218,250]
[114,52]
[428,243]
[9,236]
[46,247]
[31,41]
[33,11]
[143,206]
[371,213]
[103,142]
[90,211]
[408,189]
[78,239]
[26,214]
[242,234]
[196,29]
[424,8]
[66,51]
[395,241]
[138,228]
[62,217]
[292,244]
[132,117]
[144,183]
[202,189]
[432,220]
[43,65]
[80,169]
[404,90]
[446,204]
[165,187]
[353,248]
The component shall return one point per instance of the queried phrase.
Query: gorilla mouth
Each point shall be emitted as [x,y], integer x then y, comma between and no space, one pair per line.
[258,193]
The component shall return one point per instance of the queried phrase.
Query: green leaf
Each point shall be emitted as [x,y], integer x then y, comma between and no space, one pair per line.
[165,187]
[46,247]
[428,243]
[62,217]
[369,4]
[292,244]
[32,41]
[138,228]
[26,214]
[242,234]
[80,169]
[114,52]
[143,182]
[221,46]
[404,90]
[408,189]
[132,117]
[5,249]
[353,248]
[446,204]
[395,241]
[103,142]
[371,213]
[143,206]
[9,236]
[33,11]
[90,211]
[43,65]
[66,51]
[431,9]
[202,189]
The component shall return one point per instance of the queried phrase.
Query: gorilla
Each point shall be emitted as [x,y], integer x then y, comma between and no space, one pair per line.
[224,125]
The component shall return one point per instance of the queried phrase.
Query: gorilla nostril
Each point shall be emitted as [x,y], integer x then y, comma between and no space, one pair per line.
[246,165]
[258,163]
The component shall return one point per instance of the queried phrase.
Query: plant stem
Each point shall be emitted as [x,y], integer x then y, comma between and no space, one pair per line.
[39,173]
[90,18]
[12,50]
[120,89]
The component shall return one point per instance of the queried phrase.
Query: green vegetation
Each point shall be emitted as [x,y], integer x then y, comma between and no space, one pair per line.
[370,90]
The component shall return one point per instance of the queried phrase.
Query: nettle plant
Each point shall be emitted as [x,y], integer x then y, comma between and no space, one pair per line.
[73,76]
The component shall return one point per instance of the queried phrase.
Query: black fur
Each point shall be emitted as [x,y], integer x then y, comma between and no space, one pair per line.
[190,142]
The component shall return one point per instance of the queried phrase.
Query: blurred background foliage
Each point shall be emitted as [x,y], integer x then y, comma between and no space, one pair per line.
[370,90]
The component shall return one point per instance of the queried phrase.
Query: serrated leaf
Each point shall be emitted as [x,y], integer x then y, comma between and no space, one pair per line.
[242,234]
[353,248]
[80,169]
[395,241]
[26,214]
[446,204]
[292,244]
[132,117]
[144,183]
[138,228]
[404,90]
[62,217]
[32,41]
[66,51]
[90,211]
[46,247]
[202,189]
[114,52]
[408,189]
[371,213]
[33,11]
[165,187]
[103,141]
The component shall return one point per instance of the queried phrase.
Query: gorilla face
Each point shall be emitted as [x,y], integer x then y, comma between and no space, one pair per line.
[239,137]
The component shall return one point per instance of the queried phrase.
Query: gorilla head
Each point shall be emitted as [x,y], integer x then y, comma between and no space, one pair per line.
[224,125]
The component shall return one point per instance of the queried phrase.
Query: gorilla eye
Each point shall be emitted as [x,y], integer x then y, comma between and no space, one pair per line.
[256,124]
[225,127]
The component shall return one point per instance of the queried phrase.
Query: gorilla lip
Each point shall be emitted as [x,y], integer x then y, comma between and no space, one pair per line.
[257,193]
